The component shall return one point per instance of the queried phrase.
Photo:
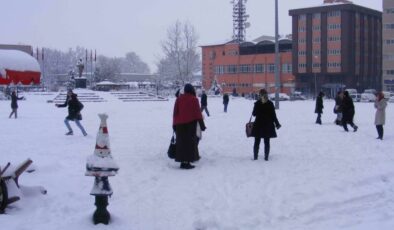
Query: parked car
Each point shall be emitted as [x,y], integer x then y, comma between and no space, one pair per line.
[282,96]
[351,91]
[297,96]
[355,96]
[391,100]
[388,94]
[373,91]
[368,97]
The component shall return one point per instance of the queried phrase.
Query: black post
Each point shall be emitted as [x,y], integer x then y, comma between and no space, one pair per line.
[101,215]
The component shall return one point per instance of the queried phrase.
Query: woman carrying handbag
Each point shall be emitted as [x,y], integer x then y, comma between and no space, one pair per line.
[264,124]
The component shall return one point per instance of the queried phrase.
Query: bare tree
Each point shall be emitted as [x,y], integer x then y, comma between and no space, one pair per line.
[181,59]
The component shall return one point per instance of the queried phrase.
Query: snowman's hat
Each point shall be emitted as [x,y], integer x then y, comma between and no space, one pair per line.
[102,148]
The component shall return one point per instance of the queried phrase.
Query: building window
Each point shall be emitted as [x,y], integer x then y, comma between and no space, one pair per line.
[316,16]
[388,57]
[389,11]
[245,68]
[301,52]
[259,68]
[316,27]
[286,68]
[302,17]
[316,65]
[232,69]
[301,29]
[334,38]
[316,40]
[389,42]
[301,40]
[390,72]
[336,13]
[271,68]
[334,64]
[334,52]
[316,52]
[301,65]
[388,26]
[334,26]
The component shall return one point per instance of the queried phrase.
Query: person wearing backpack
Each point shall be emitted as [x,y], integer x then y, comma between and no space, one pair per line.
[74,112]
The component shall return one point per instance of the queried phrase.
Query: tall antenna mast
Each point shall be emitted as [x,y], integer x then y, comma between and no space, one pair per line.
[239,20]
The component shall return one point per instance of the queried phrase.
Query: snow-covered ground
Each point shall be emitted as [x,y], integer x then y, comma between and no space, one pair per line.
[318,177]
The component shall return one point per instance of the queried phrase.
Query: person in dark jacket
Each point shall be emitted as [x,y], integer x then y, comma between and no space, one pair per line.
[204,102]
[348,112]
[74,112]
[186,115]
[319,107]
[226,100]
[338,108]
[264,124]
[14,104]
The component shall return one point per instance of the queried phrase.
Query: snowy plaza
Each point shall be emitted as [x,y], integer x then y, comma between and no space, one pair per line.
[318,176]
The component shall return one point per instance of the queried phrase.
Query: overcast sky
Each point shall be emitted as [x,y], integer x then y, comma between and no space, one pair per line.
[115,27]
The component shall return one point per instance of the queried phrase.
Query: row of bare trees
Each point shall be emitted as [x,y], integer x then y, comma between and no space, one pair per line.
[179,62]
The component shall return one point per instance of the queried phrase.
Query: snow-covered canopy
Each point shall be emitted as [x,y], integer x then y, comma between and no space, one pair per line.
[18,61]
[106,83]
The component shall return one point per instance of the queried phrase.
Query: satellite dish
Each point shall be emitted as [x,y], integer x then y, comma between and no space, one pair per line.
[247,24]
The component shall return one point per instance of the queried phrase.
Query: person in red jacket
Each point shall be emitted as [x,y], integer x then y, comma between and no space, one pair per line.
[187,113]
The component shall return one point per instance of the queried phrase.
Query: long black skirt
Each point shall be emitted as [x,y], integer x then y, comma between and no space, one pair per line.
[186,143]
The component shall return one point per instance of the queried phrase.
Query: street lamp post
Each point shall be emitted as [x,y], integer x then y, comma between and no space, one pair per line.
[315,73]
[277,81]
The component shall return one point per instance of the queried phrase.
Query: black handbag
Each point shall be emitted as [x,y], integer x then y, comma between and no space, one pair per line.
[172,148]
[249,127]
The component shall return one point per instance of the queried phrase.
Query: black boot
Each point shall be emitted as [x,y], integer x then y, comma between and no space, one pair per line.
[266,156]
[186,165]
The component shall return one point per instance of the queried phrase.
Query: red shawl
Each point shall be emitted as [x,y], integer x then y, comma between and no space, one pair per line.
[186,109]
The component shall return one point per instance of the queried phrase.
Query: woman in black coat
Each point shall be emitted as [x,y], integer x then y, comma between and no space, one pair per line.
[14,104]
[74,112]
[348,112]
[264,124]
[319,107]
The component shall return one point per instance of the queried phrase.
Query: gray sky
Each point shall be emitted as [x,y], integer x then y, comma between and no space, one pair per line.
[115,27]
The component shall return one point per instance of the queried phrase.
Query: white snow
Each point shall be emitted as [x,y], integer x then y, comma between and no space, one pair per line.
[318,177]
[18,61]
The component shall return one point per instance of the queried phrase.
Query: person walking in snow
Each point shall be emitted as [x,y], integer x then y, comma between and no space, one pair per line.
[380,115]
[226,100]
[348,112]
[14,104]
[186,115]
[74,112]
[319,107]
[204,102]
[264,124]
[338,108]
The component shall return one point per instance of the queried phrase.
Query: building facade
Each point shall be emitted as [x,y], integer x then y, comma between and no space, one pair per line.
[247,67]
[388,45]
[335,46]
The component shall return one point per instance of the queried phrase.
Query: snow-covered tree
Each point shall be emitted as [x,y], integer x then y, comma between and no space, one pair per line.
[132,63]
[107,68]
[181,59]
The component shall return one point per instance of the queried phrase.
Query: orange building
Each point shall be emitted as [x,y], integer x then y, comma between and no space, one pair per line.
[247,67]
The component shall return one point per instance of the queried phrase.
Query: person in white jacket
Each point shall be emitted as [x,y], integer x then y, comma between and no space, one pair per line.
[380,115]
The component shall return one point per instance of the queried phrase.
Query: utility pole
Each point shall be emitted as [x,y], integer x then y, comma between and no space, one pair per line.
[277,67]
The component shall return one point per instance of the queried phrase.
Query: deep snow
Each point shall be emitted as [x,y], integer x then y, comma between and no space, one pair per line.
[318,177]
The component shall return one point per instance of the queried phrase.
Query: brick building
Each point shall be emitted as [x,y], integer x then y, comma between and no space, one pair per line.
[247,67]
[335,45]
[388,45]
